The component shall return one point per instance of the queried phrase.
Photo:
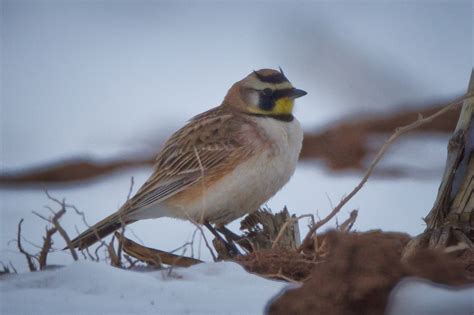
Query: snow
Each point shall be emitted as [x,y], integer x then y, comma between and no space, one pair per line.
[415,296]
[208,288]
[95,288]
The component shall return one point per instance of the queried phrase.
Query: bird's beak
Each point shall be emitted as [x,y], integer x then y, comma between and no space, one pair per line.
[295,93]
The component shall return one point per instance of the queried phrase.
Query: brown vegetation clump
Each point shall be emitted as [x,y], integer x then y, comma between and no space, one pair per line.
[278,263]
[359,272]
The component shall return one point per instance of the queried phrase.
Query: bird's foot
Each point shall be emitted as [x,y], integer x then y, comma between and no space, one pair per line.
[229,244]
[234,238]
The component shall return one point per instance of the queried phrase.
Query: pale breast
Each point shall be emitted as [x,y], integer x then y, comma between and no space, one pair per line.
[256,180]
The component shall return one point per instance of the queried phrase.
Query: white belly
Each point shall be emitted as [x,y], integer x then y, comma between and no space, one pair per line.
[256,180]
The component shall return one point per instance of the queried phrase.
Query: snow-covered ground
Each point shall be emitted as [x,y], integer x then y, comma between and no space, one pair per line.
[209,288]
[93,288]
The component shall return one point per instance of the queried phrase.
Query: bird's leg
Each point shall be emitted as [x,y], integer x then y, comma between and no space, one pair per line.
[229,235]
[213,231]
[230,246]
[232,237]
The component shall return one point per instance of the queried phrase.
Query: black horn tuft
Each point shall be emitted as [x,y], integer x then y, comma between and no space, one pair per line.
[281,71]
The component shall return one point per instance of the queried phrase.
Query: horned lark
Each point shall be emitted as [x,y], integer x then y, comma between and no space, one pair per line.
[224,163]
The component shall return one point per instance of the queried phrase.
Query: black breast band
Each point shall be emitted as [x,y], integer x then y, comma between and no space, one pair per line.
[281,117]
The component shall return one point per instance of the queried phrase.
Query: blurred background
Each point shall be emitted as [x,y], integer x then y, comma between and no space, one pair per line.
[90,90]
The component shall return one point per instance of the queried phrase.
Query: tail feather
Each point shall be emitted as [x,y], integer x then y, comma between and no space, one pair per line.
[100,230]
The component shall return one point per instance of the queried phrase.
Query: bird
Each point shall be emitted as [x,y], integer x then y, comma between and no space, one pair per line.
[223,163]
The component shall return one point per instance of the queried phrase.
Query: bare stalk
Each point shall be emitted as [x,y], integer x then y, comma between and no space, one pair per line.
[398,132]
[123,224]
[285,226]
[47,244]
[29,257]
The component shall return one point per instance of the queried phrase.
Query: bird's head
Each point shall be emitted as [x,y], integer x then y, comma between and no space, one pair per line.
[264,92]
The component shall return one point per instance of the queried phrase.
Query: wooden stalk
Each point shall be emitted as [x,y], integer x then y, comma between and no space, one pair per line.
[451,220]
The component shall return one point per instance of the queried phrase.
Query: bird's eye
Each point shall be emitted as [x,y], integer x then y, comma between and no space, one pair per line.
[267,92]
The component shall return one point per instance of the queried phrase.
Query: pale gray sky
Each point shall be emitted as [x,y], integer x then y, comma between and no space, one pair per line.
[103,77]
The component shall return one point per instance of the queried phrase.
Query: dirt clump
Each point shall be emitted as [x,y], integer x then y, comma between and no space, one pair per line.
[360,270]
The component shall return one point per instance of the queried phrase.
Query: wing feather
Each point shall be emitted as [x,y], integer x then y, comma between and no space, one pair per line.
[209,142]
[164,191]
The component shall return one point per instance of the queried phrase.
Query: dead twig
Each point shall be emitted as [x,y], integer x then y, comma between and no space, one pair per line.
[57,226]
[131,262]
[281,276]
[154,256]
[30,243]
[47,244]
[114,260]
[63,233]
[190,244]
[287,223]
[199,227]
[77,211]
[346,226]
[118,261]
[86,250]
[398,132]
[7,269]
[96,252]
[13,267]
[130,190]
[29,257]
